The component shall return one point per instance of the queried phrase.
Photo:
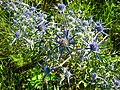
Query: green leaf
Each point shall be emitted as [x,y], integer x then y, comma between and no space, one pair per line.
[85,84]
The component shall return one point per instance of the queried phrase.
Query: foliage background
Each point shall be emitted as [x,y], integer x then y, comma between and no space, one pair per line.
[20,71]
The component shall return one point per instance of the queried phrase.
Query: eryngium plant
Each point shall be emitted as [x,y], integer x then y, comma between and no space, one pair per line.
[66,34]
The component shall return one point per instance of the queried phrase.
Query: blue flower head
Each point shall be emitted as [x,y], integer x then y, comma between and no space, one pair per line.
[116,82]
[17,34]
[94,75]
[41,15]
[17,2]
[41,30]
[64,42]
[11,4]
[27,14]
[47,69]
[94,46]
[41,27]
[67,75]
[34,8]
[61,7]
[71,12]
[99,28]
[85,23]
[15,22]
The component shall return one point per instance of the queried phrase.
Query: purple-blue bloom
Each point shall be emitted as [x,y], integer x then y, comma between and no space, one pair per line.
[116,82]
[67,75]
[99,28]
[94,46]
[17,34]
[71,12]
[47,69]
[61,7]
[32,8]
[41,28]
[94,75]
[64,43]
[27,14]
[11,3]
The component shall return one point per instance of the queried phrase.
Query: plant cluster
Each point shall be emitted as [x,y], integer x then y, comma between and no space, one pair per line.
[67,40]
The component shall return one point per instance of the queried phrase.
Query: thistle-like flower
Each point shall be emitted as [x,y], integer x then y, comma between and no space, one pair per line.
[64,43]
[95,76]
[94,46]
[30,42]
[34,8]
[41,28]
[116,82]
[99,28]
[61,7]
[67,75]
[17,34]
[47,70]
[11,3]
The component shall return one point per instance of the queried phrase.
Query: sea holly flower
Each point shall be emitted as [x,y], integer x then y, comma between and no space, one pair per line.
[30,42]
[99,28]
[15,21]
[11,3]
[34,8]
[41,17]
[116,82]
[67,75]
[11,6]
[85,23]
[61,7]
[40,14]
[47,70]
[64,43]
[95,76]
[27,14]
[71,12]
[41,28]
[94,46]
[17,34]
[17,3]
